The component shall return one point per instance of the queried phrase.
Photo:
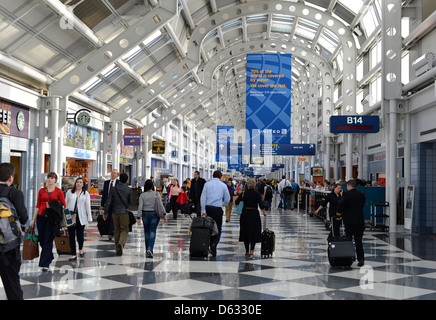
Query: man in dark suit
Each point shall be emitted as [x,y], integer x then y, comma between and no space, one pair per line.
[107,187]
[350,209]
[197,185]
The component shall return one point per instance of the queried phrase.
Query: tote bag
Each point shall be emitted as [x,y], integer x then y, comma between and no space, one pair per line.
[30,246]
[158,206]
[240,206]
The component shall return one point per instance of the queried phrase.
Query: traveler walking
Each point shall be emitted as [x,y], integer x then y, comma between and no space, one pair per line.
[350,209]
[285,191]
[173,195]
[150,219]
[250,225]
[333,199]
[268,195]
[117,203]
[229,206]
[45,226]
[197,185]
[215,195]
[78,203]
[10,261]
[107,187]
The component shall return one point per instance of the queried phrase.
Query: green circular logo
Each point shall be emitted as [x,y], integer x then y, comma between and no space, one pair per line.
[83,118]
[21,121]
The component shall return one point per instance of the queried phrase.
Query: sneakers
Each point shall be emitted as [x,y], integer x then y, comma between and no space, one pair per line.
[149,254]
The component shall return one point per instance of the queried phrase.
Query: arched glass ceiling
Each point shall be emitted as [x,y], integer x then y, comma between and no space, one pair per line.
[31,32]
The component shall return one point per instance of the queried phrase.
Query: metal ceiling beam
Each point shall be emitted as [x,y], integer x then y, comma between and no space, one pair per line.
[112,51]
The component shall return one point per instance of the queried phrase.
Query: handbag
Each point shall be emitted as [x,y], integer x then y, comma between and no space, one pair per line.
[159,207]
[240,206]
[30,245]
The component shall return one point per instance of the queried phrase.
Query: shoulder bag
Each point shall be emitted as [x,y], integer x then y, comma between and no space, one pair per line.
[158,206]
[240,206]
[131,215]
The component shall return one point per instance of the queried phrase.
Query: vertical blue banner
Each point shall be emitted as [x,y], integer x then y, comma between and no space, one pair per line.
[224,137]
[268,96]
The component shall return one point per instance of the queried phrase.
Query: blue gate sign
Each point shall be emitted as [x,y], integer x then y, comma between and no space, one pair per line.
[354,124]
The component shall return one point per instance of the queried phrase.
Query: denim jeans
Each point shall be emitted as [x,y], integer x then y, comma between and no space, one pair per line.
[150,220]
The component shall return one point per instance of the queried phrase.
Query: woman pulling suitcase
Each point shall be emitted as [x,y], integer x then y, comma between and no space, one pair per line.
[251,227]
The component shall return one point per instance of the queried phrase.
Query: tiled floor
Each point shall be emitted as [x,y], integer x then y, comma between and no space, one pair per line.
[298,270]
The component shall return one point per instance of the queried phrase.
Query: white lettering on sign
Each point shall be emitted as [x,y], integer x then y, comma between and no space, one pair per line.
[5,116]
[354,120]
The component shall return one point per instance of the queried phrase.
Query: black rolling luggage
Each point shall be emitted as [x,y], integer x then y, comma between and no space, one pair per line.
[201,228]
[268,242]
[199,244]
[341,251]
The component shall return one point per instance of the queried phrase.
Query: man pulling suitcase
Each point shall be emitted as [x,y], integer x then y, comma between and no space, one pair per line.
[350,209]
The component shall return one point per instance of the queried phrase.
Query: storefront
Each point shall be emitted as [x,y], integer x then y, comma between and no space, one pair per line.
[80,151]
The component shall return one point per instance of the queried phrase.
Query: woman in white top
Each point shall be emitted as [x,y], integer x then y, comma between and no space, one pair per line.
[79,203]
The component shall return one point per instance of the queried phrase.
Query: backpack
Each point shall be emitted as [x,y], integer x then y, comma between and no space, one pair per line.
[268,193]
[288,190]
[10,226]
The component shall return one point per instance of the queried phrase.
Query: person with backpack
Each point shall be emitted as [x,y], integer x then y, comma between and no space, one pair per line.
[46,226]
[285,191]
[268,195]
[11,204]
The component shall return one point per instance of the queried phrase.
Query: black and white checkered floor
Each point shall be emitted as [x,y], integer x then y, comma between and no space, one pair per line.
[298,270]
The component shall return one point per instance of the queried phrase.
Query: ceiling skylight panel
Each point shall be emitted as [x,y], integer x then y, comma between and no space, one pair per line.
[353,6]
[256,19]
[328,40]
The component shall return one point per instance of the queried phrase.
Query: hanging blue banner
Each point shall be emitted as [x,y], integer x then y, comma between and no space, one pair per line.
[268,98]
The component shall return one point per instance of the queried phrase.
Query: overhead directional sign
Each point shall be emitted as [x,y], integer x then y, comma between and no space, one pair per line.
[354,124]
[308,149]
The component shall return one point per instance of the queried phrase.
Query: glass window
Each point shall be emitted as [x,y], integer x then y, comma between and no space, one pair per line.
[359,70]
[375,90]
[375,55]
[369,21]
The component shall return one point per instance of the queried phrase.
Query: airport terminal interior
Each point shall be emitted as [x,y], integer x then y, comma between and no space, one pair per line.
[312,90]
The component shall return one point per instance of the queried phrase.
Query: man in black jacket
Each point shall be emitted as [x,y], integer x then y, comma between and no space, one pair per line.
[350,208]
[117,203]
[10,261]
[197,185]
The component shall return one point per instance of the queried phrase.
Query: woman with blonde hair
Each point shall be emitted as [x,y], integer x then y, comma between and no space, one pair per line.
[250,225]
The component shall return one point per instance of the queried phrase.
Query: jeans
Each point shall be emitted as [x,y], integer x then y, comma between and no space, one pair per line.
[150,220]
[46,237]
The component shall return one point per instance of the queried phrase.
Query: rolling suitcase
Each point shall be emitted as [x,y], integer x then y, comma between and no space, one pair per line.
[268,242]
[341,252]
[201,229]
[199,244]
[62,244]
